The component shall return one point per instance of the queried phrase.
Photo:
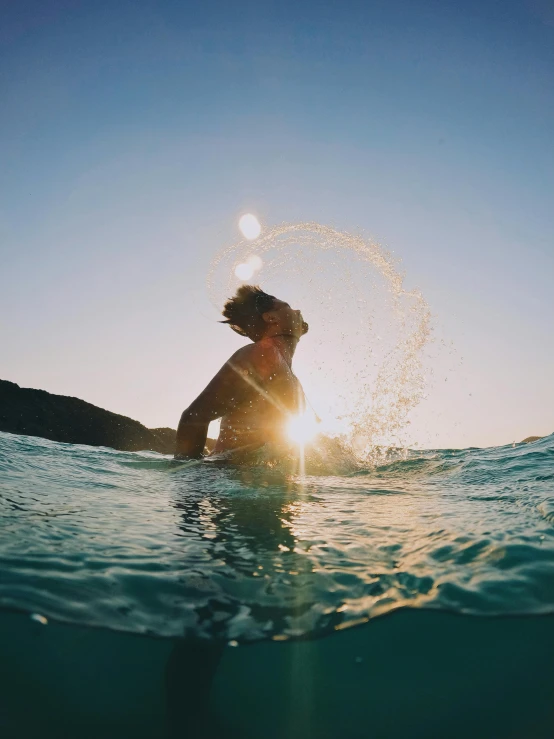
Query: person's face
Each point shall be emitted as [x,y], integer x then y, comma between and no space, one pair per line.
[285,320]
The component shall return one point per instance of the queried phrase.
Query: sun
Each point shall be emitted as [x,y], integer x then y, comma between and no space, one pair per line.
[302,428]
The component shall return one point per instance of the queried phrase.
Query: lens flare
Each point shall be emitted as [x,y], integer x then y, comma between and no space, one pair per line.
[250,226]
[302,428]
[244,271]
[255,262]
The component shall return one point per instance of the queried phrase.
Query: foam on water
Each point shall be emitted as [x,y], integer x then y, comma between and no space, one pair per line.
[134,542]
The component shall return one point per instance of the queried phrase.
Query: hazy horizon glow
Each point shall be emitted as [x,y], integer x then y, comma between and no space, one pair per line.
[133,138]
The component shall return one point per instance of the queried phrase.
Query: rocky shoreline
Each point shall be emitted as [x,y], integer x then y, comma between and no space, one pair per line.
[74,421]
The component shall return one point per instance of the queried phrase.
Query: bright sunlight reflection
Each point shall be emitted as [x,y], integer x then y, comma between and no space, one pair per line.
[250,226]
[302,428]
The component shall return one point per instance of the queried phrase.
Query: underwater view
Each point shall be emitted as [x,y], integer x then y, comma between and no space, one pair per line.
[140,595]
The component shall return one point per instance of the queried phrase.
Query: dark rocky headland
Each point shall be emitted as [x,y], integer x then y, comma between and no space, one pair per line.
[60,418]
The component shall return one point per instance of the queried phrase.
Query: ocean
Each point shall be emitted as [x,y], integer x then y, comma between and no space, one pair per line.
[145,598]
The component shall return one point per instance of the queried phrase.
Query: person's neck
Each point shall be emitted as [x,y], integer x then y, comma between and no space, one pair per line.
[287,344]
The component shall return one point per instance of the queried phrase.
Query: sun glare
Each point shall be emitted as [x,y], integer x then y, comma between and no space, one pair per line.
[302,428]
[250,226]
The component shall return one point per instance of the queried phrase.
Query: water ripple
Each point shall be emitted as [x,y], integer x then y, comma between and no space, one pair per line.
[132,542]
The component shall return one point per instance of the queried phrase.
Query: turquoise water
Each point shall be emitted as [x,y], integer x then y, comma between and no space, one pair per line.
[266,571]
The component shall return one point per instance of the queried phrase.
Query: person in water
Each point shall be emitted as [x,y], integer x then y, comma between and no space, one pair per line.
[255,391]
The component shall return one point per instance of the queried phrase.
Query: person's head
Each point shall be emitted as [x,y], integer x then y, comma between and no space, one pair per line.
[255,314]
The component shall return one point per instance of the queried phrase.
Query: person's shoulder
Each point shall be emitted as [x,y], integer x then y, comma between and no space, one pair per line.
[260,356]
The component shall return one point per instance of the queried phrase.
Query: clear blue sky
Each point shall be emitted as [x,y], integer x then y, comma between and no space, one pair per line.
[133,134]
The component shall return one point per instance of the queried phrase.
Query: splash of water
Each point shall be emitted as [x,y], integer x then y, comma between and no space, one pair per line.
[365,368]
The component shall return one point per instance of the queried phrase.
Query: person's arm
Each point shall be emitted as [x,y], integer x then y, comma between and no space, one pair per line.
[227,390]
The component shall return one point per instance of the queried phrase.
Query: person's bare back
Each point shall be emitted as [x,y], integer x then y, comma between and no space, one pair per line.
[255,391]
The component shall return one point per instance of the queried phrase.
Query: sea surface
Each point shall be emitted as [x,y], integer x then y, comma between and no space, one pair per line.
[275,585]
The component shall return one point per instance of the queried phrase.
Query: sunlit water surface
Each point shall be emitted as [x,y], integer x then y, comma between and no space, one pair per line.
[135,542]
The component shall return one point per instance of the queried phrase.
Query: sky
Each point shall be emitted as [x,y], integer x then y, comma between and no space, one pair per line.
[134,135]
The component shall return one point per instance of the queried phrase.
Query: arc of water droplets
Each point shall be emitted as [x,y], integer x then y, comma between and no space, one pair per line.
[399,386]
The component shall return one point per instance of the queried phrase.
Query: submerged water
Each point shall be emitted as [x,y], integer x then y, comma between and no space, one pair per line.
[135,542]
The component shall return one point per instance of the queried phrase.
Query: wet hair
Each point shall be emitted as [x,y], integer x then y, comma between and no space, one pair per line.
[244,311]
